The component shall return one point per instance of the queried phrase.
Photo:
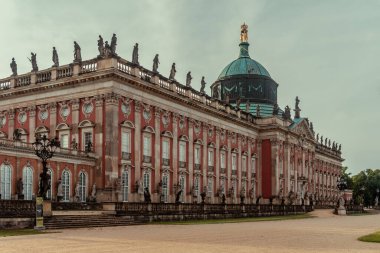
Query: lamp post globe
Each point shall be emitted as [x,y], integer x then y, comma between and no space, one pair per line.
[45,149]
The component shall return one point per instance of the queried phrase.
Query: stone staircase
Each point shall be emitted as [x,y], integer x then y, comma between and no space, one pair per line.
[87,221]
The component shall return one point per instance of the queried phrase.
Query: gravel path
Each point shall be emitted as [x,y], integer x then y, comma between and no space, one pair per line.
[326,233]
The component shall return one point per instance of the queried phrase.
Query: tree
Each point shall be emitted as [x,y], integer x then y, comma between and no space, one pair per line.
[365,185]
[347,177]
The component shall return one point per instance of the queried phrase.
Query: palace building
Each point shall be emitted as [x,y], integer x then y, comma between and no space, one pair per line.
[126,130]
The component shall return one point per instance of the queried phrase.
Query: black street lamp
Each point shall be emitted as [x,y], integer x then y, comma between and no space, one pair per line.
[341,184]
[45,149]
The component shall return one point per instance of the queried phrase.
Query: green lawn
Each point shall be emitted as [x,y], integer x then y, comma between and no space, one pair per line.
[375,237]
[235,220]
[15,232]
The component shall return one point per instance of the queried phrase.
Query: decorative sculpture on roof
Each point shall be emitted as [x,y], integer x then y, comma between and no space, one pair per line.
[17,135]
[329,143]
[325,141]
[258,111]
[247,106]
[238,101]
[107,50]
[340,148]
[203,85]
[77,52]
[286,114]
[100,46]
[113,44]
[275,109]
[297,109]
[33,60]
[172,72]
[311,127]
[244,33]
[317,138]
[322,139]
[14,67]
[188,79]
[216,92]
[55,58]
[135,54]
[156,61]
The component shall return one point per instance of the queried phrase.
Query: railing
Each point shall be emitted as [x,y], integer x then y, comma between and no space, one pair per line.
[65,71]
[89,66]
[210,168]
[164,84]
[17,209]
[165,161]
[126,156]
[234,172]
[23,80]
[144,75]
[5,84]
[197,166]
[124,66]
[43,76]
[222,170]
[181,91]
[76,206]
[147,159]
[182,164]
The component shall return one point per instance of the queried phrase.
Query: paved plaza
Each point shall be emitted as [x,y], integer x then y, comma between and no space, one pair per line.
[327,233]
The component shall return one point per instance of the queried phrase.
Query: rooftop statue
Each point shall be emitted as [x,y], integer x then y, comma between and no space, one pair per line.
[329,143]
[340,147]
[14,67]
[77,52]
[100,46]
[244,33]
[113,44]
[188,79]
[172,72]
[107,49]
[258,111]
[55,58]
[297,109]
[322,139]
[203,85]
[325,141]
[275,109]
[238,101]
[135,54]
[33,60]
[247,106]
[286,114]
[317,138]
[156,61]
[311,127]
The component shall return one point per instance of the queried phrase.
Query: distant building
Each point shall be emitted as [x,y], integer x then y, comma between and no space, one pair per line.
[148,132]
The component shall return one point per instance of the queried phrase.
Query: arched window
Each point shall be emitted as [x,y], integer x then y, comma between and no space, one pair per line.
[27,179]
[82,186]
[125,182]
[49,193]
[165,188]
[209,187]
[66,186]
[5,181]
[182,183]
[196,187]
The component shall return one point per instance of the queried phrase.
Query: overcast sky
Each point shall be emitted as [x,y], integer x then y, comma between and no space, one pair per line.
[326,52]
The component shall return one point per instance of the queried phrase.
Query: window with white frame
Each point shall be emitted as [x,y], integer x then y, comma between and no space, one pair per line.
[234,185]
[49,193]
[82,186]
[182,151]
[86,138]
[27,179]
[125,184]
[223,160]
[126,142]
[64,139]
[244,163]
[66,185]
[182,183]
[146,181]
[196,187]
[253,164]
[197,154]
[233,161]
[165,187]
[5,181]
[223,185]
[165,149]
[210,157]
[147,149]
[209,187]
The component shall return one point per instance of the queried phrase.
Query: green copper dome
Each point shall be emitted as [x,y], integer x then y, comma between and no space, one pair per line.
[243,65]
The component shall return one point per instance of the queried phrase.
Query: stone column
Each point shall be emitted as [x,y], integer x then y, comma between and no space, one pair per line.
[137,146]
[217,158]
[286,168]
[32,123]
[11,123]
[191,159]
[228,162]
[75,120]
[249,171]
[111,142]
[239,167]
[157,152]
[204,156]
[53,119]
[259,168]
[174,180]
[98,149]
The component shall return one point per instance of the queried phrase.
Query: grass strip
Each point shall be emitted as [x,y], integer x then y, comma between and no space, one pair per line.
[374,237]
[18,232]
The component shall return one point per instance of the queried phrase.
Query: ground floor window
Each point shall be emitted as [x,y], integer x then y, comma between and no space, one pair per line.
[182,184]
[196,188]
[82,186]
[165,188]
[66,185]
[49,193]
[146,181]
[5,181]
[125,183]
[27,179]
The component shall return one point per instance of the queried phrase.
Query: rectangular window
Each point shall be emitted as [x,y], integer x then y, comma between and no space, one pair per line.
[64,141]
[244,165]
[253,165]
[222,160]
[147,146]
[234,162]
[197,155]
[126,142]
[210,158]
[87,138]
[182,151]
[165,149]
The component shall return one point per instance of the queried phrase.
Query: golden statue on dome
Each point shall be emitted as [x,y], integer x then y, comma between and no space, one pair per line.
[244,33]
